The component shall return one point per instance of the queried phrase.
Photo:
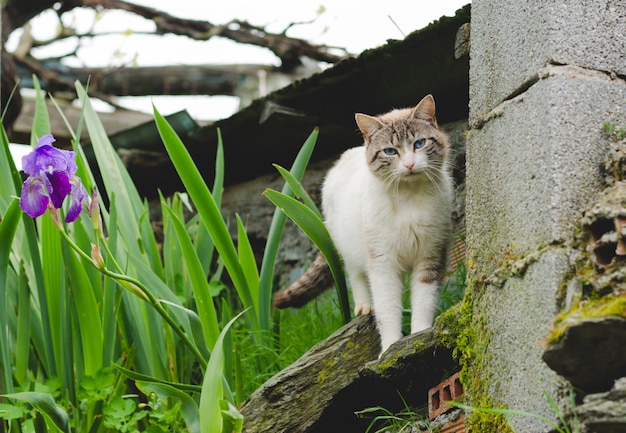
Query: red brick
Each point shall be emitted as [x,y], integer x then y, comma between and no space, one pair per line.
[450,389]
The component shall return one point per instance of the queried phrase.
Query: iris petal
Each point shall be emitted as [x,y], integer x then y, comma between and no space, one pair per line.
[39,159]
[50,158]
[34,199]
[46,140]
[77,196]
[60,187]
[29,164]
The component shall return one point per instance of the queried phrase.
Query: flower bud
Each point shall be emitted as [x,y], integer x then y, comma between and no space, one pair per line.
[94,212]
[96,257]
[134,289]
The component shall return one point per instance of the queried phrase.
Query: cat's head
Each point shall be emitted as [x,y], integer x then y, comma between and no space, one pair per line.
[405,145]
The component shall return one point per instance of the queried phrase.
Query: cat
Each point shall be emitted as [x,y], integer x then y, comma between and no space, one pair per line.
[387,205]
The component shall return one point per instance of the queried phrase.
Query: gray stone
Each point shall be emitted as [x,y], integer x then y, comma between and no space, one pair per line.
[513,40]
[590,354]
[604,412]
[462,41]
[535,165]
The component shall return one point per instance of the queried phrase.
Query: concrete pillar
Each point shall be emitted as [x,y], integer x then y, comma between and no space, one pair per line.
[544,77]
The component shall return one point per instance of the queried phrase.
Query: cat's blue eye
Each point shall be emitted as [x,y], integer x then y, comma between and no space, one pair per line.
[419,143]
[390,151]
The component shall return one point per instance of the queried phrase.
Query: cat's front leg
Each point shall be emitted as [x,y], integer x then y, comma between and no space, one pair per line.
[360,291]
[386,288]
[424,290]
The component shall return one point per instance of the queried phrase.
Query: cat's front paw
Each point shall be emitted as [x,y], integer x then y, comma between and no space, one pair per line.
[363,309]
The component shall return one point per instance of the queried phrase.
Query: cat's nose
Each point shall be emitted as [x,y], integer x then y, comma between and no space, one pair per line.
[409,165]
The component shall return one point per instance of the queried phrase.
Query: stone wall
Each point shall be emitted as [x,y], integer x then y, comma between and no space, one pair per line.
[544,78]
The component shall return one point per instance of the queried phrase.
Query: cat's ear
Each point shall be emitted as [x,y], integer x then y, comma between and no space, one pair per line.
[425,110]
[367,124]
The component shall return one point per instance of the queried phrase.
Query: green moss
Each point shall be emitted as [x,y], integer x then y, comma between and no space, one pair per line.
[606,306]
[466,333]
[614,132]
[447,327]
[324,371]
[385,363]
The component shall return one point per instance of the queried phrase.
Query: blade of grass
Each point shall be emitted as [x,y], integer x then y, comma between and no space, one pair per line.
[41,122]
[45,404]
[111,295]
[275,234]
[22,350]
[55,293]
[146,378]
[248,262]
[174,271]
[115,178]
[207,208]
[10,221]
[203,242]
[298,190]
[314,228]
[557,411]
[200,285]
[87,312]
[9,177]
[213,386]
[218,179]
[205,248]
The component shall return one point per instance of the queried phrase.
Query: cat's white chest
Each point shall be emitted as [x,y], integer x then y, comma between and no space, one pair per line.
[400,226]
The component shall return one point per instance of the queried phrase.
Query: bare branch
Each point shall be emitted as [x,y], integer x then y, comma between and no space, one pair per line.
[289,50]
[56,83]
[19,12]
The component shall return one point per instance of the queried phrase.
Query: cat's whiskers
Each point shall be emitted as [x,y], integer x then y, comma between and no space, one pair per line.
[391,181]
[436,174]
[432,177]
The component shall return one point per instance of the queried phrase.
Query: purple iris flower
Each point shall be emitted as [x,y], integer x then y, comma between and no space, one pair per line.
[51,178]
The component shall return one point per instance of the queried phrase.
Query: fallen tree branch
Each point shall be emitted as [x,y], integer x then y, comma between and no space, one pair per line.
[54,82]
[288,49]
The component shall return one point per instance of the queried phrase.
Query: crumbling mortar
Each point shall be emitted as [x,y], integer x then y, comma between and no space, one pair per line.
[517,267]
[555,68]
[551,69]
[480,120]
